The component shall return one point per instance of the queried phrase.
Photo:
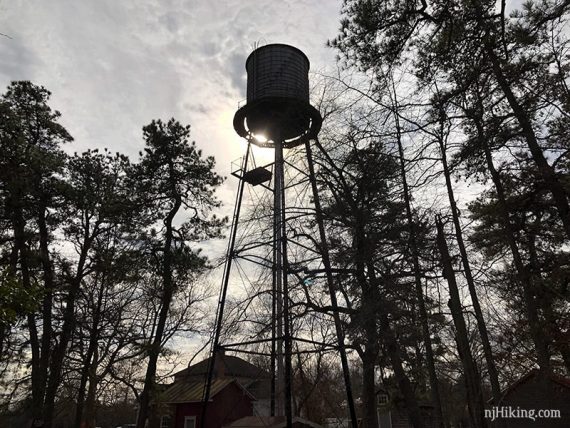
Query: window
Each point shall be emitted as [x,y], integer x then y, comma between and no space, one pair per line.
[165,422]
[382,399]
[190,422]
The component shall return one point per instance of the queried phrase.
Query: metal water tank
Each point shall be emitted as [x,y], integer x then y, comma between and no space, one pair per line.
[278,107]
[277,71]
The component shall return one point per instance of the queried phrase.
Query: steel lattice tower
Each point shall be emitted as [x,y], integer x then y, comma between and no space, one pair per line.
[278,115]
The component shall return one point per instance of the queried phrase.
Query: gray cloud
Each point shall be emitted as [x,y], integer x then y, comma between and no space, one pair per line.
[113,66]
[16,58]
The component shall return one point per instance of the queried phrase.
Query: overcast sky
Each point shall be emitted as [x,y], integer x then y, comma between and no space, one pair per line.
[113,66]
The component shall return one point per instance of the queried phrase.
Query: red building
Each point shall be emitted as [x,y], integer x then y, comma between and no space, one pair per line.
[229,401]
[239,389]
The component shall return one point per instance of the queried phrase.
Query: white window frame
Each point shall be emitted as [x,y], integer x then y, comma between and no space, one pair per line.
[189,418]
[167,425]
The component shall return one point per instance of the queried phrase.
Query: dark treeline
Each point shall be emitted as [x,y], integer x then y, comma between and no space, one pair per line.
[98,272]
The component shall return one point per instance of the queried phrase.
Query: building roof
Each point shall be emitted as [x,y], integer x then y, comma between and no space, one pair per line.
[233,367]
[565,382]
[191,392]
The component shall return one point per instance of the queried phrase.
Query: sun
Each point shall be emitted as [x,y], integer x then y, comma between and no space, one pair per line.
[260,138]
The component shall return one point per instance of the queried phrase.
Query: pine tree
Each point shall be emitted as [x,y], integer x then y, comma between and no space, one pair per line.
[173,179]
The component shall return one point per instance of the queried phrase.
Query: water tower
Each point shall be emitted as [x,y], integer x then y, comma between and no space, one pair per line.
[278,115]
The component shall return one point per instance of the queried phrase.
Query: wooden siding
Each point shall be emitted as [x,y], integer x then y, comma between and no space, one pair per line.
[228,405]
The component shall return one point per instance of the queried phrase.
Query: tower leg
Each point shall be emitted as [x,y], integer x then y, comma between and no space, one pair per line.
[278,274]
[286,316]
[225,282]
[282,292]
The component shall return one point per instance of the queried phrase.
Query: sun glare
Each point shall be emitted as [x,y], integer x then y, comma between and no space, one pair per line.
[260,138]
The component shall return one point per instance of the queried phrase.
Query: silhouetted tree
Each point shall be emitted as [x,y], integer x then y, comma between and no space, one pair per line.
[172,177]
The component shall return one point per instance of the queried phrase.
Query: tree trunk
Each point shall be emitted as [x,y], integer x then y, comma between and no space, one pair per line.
[78,423]
[168,288]
[404,385]
[551,322]
[370,411]
[324,250]
[472,379]
[375,309]
[90,361]
[368,317]
[47,302]
[67,330]
[433,381]
[523,275]
[559,338]
[21,250]
[481,324]
[394,354]
[3,335]
[89,419]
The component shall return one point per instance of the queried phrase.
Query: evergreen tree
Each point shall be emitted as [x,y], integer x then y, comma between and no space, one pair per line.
[31,163]
[172,178]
